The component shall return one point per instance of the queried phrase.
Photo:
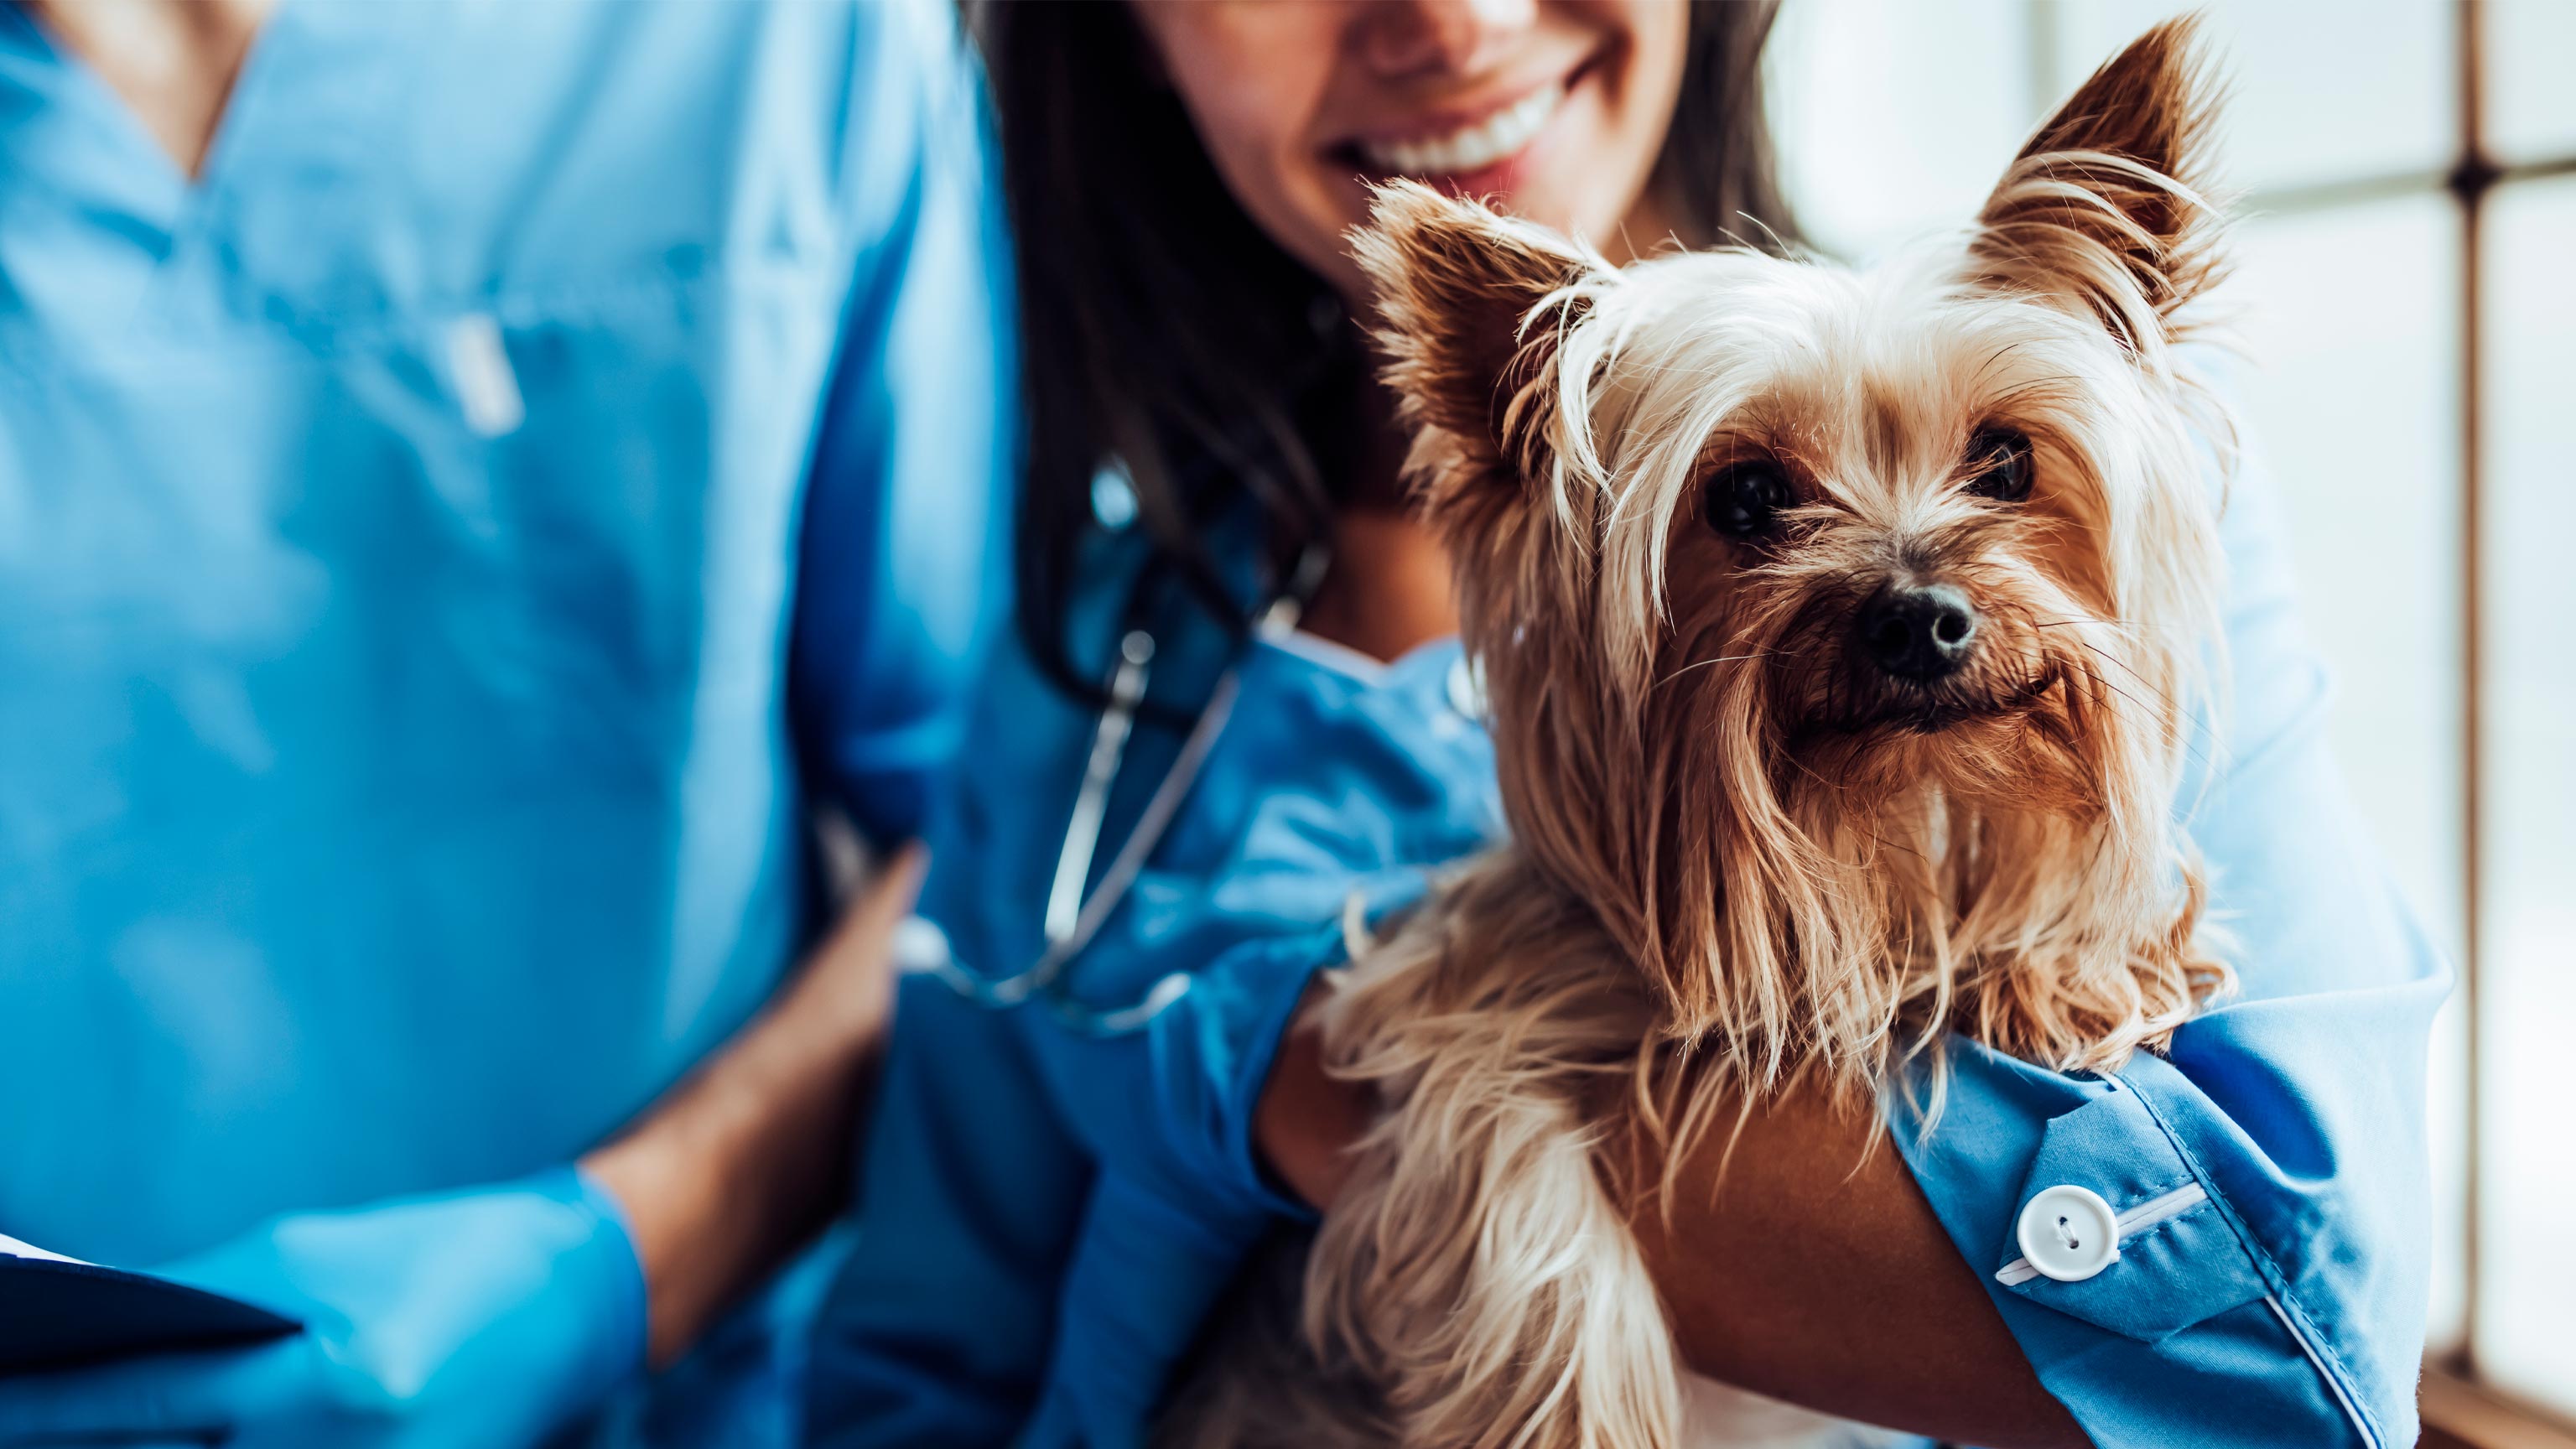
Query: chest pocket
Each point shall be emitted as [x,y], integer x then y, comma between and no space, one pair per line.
[646,502]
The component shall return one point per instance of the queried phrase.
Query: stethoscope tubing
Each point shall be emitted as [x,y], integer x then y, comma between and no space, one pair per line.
[1073,915]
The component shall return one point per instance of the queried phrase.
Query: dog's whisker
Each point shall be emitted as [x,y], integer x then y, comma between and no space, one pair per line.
[2104,623]
[2187,738]
[1721,659]
[2185,735]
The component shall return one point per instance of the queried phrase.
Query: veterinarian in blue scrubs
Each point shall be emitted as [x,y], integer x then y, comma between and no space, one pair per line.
[1089,1116]
[444,543]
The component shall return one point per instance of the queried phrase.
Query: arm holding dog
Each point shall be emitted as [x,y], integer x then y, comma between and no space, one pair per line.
[2262,1284]
[1819,1276]
[1846,1266]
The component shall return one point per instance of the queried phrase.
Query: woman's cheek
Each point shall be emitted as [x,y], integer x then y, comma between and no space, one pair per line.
[1253,79]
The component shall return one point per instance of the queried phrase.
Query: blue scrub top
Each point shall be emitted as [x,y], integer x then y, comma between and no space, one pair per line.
[440,550]
[1048,1211]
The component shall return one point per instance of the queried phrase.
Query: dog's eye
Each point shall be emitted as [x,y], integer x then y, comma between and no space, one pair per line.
[1744,499]
[2000,460]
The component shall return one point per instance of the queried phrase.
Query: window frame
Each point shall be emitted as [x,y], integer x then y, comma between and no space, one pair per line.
[2460,1407]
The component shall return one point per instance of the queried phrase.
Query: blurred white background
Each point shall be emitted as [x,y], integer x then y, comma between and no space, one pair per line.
[2347,130]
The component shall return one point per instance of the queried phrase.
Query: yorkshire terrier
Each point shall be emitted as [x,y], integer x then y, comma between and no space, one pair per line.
[1840,633]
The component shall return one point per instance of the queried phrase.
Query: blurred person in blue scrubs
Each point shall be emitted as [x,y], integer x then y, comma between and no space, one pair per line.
[477,483]
[1107,1093]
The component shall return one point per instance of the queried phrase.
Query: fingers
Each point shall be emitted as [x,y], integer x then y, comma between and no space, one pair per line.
[855,967]
[888,896]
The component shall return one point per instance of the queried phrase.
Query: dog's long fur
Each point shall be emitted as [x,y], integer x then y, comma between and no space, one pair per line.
[1738,853]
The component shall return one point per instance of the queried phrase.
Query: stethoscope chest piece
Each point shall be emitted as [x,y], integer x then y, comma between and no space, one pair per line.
[1466,688]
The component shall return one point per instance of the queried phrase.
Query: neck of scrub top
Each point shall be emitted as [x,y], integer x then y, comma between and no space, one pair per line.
[172,64]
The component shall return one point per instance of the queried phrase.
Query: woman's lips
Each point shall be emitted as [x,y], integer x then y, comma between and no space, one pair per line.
[1467,150]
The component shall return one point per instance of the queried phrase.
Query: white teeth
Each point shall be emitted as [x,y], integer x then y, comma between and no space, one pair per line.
[1471,148]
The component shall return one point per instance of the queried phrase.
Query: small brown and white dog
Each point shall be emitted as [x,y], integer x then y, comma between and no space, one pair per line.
[1839,632]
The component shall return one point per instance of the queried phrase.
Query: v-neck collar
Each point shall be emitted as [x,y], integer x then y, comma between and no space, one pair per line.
[56,140]
[325,63]
[293,178]
[81,84]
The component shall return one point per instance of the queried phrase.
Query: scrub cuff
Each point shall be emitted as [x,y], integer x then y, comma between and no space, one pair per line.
[1243,1151]
[1214,1046]
[1293,968]
[2115,1262]
[883,776]
[607,1262]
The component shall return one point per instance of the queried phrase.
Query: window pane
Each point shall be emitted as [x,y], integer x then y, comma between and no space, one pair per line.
[1894,117]
[2352,330]
[2527,1255]
[2353,395]
[2321,91]
[2531,54]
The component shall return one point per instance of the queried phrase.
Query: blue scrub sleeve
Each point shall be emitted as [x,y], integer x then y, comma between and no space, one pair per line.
[452,1321]
[1142,1280]
[936,1333]
[904,539]
[1207,1056]
[1046,1215]
[1181,1200]
[2287,1306]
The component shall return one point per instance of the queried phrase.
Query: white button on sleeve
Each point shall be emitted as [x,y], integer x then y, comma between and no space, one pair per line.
[2068,1233]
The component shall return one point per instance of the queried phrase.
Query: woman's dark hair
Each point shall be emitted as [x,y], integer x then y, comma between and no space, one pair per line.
[1163,329]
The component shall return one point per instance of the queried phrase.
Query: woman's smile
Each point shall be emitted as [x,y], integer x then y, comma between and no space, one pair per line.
[1466,149]
[1554,110]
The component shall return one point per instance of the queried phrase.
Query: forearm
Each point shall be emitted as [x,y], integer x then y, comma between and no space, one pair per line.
[1818,1274]
[1815,1271]
[743,1162]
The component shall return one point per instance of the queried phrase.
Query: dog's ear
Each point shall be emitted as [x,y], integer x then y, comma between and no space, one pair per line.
[1468,346]
[2107,207]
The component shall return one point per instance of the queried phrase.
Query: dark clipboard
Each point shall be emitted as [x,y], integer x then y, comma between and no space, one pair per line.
[59,1314]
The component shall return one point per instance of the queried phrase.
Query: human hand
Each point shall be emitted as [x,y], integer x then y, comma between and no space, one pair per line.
[751,1155]
[482,1319]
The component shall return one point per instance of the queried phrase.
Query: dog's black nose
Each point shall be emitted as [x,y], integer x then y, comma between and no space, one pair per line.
[1919,632]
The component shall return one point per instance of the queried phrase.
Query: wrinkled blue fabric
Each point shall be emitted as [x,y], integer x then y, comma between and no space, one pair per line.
[1046,1213]
[466,1318]
[442,551]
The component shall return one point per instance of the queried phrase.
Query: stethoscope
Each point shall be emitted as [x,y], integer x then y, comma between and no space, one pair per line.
[1073,915]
